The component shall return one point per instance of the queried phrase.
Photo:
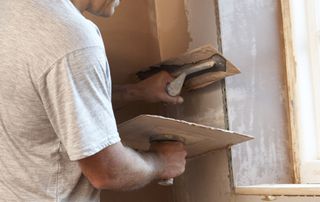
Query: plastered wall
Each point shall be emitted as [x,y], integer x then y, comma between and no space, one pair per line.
[252,39]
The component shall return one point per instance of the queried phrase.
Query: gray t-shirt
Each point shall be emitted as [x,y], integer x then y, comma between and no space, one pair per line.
[55,101]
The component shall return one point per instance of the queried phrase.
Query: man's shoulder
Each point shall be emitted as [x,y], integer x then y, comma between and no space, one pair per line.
[39,33]
[65,29]
[49,27]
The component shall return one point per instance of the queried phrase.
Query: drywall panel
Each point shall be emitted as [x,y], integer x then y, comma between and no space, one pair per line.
[278,199]
[205,179]
[251,39]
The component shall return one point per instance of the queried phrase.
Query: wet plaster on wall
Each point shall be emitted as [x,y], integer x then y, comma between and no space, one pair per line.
[251,38]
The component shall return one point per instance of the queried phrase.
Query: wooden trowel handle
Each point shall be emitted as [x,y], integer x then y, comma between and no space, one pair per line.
[168,182]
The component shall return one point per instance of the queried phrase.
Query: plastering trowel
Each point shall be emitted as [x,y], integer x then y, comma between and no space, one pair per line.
[140,132]
[193,70]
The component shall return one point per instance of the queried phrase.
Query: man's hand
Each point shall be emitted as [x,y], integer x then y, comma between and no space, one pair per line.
[152,89]
[172,156]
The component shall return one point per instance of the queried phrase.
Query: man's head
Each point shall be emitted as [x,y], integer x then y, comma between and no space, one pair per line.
[103,8]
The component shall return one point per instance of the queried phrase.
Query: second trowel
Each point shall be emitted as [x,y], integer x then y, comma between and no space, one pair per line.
[192,70]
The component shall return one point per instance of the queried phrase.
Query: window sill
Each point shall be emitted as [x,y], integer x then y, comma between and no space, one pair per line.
[280,190]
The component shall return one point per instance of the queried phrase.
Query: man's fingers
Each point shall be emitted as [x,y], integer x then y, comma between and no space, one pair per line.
[176,143]
[166,75]
[173,100]
[179,100]
[172,146]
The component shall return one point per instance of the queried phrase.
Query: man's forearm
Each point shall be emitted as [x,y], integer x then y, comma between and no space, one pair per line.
[138,170]
[121,168]
[152,90]
[123,94]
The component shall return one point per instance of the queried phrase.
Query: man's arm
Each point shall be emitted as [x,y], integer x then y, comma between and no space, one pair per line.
[121,168]
[152,89]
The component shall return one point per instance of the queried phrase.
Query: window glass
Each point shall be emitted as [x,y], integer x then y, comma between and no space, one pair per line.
[316,67]
[318,14]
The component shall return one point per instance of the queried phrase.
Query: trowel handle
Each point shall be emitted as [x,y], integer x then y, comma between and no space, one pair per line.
[168,182]
[175,86]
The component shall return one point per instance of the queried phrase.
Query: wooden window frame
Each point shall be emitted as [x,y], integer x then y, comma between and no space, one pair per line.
[305,149]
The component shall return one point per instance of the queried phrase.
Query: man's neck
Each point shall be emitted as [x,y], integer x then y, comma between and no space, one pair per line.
[81,5]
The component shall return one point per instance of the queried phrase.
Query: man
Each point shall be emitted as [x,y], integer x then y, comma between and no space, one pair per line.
[58,136]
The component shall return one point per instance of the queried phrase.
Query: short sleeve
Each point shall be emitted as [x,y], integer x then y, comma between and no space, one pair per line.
[76,94]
